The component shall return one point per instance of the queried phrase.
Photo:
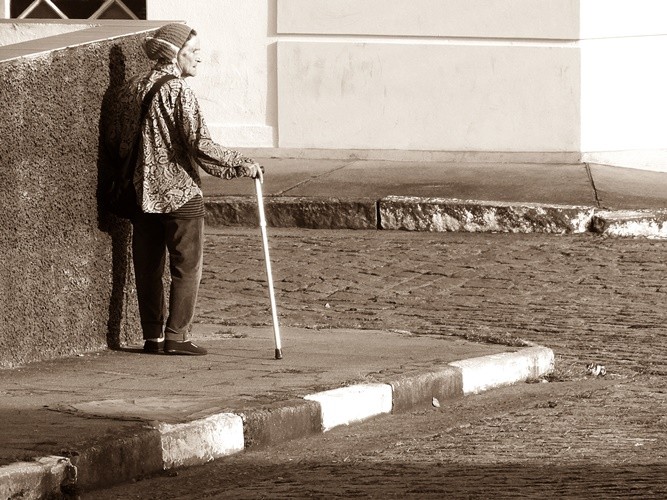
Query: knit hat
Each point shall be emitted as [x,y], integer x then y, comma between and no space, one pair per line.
[167,41]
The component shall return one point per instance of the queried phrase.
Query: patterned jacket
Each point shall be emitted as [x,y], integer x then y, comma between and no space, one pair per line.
[175,141]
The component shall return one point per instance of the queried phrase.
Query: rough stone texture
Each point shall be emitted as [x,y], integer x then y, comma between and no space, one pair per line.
[412,390]
[65,283]
[281,422]
[647,223]
[121,459]
[43,478]
[442,214]
[308,213]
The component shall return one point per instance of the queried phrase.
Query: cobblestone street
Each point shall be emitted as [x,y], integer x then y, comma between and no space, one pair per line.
[591,299]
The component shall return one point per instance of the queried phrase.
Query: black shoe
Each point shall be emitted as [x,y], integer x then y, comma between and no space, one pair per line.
[153,346]
[183,347]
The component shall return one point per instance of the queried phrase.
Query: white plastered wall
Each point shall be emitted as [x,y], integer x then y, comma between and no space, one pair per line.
[444,75]
[428,96]
[624,77]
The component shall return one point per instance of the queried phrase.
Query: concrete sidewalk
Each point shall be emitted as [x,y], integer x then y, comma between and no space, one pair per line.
[436,196]
[109,417]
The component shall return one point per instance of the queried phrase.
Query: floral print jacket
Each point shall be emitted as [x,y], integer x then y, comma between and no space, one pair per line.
[174,142]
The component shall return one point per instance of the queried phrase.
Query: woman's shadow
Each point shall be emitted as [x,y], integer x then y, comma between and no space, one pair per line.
[123,325]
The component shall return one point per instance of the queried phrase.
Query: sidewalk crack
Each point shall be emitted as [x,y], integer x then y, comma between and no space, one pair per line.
[310,179]
[592,181]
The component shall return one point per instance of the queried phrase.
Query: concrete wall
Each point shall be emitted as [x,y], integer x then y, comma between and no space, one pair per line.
[65,282]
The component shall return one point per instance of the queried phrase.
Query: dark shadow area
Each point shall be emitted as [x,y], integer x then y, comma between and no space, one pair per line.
[79,9]
[140,350]
[29,433]
[250,479]
[120,230]
[133,350]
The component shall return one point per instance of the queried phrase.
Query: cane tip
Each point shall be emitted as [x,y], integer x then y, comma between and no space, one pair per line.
[279,354]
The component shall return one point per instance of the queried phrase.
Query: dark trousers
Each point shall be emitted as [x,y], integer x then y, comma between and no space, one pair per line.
[154,235]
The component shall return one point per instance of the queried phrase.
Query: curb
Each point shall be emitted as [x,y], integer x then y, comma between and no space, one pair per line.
[631,223]
[41,478]
[435,215]
[444,214]
[313,213]
[160,446]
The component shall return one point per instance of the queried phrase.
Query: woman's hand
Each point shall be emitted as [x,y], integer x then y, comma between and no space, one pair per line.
[255,171]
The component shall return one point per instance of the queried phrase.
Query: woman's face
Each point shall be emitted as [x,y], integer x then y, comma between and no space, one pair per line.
[188,57]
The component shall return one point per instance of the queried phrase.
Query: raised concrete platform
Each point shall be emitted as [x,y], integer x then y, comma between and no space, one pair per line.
[109,417]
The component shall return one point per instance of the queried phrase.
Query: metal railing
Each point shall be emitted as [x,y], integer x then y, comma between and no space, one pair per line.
[77,9]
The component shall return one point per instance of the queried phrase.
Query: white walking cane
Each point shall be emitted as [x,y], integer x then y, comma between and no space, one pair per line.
[265,241]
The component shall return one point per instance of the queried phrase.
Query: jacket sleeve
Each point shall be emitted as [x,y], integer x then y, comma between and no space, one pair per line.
[209,155]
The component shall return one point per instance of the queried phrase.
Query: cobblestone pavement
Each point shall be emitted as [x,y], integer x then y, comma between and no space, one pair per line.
[589,298]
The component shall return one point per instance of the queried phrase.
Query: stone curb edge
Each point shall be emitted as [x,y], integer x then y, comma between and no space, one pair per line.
[434,214]
[162,446]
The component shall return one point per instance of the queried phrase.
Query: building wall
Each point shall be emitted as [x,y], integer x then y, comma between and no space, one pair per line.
[567,78]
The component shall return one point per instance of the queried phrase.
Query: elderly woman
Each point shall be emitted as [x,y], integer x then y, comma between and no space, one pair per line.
[174,142]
